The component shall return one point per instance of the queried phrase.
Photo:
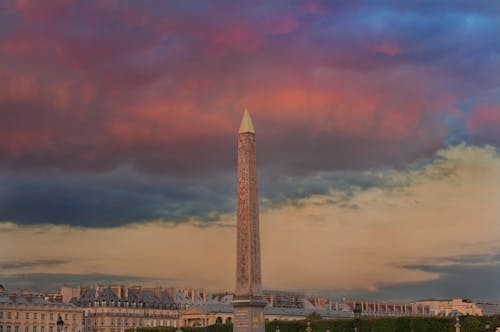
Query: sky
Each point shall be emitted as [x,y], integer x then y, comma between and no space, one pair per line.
[378,144]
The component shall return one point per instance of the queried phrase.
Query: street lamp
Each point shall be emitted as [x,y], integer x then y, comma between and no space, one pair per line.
[308,328]
[486,326]
[60,323]
[327,329]
[357,316]
[277,329]
[457,324]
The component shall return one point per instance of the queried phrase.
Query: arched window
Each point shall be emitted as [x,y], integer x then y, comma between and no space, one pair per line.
[218,320]
[228,320]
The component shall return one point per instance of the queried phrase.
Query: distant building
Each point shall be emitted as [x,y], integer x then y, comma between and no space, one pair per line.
[207,314]
[54,297]
[68,293]
[383,308]
[451,307]
[222,313]
[196,296]
[489,309]
[282,299]
[117,308]
[21,311]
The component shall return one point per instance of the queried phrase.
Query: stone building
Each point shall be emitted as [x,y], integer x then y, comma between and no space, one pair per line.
[207,314]
[384,308]
[22,311]
[452,307]
[115,309]
[284,299]
[489,309]
[223,313]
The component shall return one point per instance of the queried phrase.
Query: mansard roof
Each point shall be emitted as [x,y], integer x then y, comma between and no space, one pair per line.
[144,297]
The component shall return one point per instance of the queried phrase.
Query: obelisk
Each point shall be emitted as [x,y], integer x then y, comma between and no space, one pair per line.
[248,301]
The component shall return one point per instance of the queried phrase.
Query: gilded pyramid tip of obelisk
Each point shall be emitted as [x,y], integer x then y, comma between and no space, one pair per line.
[246,123]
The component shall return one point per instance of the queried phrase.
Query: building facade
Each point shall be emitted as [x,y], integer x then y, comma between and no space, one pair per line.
[114,318]
[382,308]
[117,308]
[21,311]
[452,307]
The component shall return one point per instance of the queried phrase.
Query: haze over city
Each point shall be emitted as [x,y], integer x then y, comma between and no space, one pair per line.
[377,144]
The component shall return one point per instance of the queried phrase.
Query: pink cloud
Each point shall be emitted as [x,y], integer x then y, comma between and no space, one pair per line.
[484,119]
[34,9]
[16,47]
[281,26]
[125,84]
[239,38]
[387,48]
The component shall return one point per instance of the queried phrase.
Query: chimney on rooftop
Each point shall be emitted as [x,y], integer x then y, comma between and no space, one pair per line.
[27,295]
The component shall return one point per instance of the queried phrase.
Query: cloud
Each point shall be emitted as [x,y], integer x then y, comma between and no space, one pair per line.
[484,122]
[162,87]
[54,281]
[460,280]
[45,263]
[111,199]
[416,227]
[115,114]
[98,200]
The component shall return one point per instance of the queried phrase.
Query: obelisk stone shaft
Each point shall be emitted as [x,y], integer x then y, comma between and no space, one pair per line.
[248,301]
[248,278]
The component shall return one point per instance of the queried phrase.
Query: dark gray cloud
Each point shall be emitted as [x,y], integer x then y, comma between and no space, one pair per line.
[109,200]
[54,281]
[46,263]
[126,195]
[474,277]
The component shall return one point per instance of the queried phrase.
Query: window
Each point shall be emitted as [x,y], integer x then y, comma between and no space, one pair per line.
[26,329]
[65,316]
[8,328]
[51,329]
[42,328]
[1,315]
[34,315]
[51,316]
[27,315]
[17,314]
[74,316]
[42,316]
[16,328]
[9,315]
[34,329]
[1,328]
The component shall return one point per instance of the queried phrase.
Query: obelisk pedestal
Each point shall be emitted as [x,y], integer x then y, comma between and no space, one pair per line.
[248,301]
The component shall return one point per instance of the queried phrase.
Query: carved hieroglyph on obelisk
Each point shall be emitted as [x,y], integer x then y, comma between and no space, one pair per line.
[248,301]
